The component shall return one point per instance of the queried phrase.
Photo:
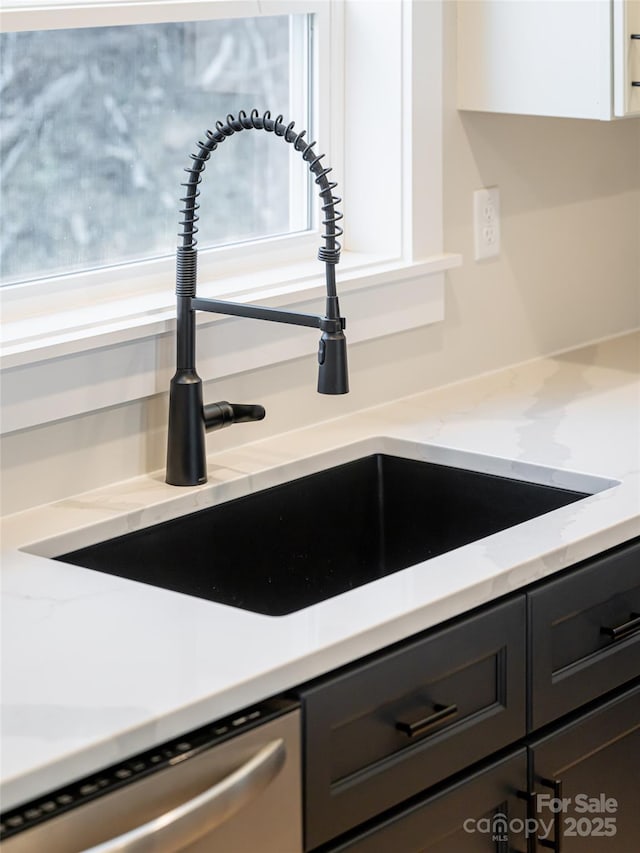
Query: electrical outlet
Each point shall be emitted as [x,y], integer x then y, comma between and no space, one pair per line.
[486,223]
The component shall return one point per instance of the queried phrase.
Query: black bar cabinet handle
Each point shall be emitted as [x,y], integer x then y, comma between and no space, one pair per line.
[554,843]
[621,632]
[419,727]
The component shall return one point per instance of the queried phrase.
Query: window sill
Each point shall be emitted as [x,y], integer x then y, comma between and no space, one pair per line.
[50,363]
[82,328]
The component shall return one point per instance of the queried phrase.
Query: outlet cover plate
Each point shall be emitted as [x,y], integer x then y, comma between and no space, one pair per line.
[486,223]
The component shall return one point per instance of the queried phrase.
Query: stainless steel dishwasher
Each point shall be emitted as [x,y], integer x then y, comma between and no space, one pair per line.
[229,787]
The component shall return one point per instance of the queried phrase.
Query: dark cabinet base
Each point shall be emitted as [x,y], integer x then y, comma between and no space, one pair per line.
[584,779]
[388,739]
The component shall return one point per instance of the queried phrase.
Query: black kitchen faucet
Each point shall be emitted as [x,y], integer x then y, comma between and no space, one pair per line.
[189,419]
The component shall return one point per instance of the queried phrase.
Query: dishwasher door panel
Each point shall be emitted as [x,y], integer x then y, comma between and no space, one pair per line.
[254,817]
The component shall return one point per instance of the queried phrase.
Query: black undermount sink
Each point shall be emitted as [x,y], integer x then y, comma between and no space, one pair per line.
[293,545]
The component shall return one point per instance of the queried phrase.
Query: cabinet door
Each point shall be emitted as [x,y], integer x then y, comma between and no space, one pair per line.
[480,814]
[536,58]
[585,633]
[389,727]
[586,780]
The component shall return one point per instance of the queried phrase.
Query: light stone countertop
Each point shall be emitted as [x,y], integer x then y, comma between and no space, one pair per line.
[96,668]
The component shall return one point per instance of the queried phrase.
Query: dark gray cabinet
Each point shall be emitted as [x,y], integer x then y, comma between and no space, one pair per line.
[481,814]
[489,718]
[585,782]
[388,728]
[586,779]
[585,634]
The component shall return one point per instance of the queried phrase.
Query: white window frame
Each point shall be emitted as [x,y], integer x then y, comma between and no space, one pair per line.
[391,276]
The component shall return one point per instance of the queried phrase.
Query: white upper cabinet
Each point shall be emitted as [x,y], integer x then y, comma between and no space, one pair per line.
[569,58]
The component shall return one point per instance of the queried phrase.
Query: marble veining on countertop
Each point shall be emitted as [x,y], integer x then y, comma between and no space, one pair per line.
[96,668]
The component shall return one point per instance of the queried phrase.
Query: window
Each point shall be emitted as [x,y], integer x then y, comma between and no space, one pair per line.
[92,339]
[97,125]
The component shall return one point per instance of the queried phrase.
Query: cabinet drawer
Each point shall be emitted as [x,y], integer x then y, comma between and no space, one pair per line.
[591,765]
[463,818]
[390,727]
[585,633]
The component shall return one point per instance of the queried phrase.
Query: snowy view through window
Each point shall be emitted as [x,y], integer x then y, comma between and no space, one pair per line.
[97,126]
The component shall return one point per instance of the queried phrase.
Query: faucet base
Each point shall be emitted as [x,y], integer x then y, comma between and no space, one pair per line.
[186,457]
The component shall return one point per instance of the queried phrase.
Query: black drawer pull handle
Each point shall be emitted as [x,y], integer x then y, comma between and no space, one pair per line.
[419,727]
[555,843]
[621,632]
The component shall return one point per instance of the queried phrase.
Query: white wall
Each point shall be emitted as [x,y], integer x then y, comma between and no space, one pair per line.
[569,272]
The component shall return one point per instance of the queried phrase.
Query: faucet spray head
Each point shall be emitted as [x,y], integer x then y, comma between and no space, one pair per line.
[333,375]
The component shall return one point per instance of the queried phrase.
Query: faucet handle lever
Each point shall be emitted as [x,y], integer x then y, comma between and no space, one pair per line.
[223,414]
[242,413]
